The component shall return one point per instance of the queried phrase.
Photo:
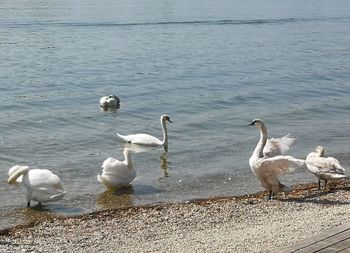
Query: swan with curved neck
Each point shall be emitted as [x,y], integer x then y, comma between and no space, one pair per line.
[146,139]
[41,185]
[267,168]
[117,173]
[325,168]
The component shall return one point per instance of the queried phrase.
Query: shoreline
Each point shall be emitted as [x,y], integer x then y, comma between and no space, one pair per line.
[114,211]
[235,223]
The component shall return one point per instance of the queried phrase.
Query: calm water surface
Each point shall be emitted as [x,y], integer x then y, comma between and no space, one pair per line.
[213,66]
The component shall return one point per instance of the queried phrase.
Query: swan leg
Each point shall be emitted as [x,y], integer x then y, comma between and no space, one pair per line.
[28,204]
[270,195]
[325,184]
[319,184]
[40,204]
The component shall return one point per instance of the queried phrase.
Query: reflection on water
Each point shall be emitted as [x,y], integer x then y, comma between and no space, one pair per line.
[164,163]
[163,157]
[116,198]
[136,148]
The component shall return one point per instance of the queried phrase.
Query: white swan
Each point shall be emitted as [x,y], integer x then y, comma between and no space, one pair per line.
[41,185]
[146,139]
[325,168]
[267,169]
[111,102]
[117,174]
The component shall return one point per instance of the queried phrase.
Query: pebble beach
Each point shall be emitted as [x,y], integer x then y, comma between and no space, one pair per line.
[246,223]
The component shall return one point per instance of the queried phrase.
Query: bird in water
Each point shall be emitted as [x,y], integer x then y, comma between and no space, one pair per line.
[117,174]
[111,102]
[40,185]
[325,168]
[149,140]
[267,169]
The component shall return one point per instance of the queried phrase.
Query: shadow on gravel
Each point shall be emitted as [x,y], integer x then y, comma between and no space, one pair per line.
[316,196]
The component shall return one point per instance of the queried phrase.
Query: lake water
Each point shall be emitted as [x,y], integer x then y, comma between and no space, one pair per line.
[213,66]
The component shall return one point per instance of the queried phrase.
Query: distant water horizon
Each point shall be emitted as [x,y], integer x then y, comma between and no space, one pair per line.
[212,66]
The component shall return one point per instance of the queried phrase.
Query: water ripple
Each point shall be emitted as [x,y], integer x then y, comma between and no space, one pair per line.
[193,22]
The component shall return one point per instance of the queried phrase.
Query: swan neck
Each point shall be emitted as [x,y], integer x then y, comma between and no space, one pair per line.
[127,157]
[165,133]
[258,152]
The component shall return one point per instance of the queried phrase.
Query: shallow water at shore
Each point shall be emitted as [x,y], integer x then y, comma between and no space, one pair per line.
[212,68]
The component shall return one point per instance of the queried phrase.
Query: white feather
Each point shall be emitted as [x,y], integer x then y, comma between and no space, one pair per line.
[278,146]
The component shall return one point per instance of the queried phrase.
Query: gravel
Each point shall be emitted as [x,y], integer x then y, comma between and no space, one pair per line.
[247,223]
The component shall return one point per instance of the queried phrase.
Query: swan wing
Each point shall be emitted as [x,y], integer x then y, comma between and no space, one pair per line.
[279,164]
[41,177]
[45,185]
[278,146]
[116,173]
[115,168]
[325,165]
[141,139]
[111,164]
[117,179]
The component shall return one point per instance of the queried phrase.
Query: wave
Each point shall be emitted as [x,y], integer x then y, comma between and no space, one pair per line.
[166,23]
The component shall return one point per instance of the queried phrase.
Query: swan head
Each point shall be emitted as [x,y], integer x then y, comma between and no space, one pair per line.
[257,123]
[320,150]
[165,118]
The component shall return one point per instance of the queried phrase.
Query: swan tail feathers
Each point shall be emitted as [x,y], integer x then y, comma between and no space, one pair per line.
[58,196]
[123,137]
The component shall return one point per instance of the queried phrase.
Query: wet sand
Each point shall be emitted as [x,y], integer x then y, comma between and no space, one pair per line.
[246,223]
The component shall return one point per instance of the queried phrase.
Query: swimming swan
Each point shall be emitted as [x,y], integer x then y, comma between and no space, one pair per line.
[267,169]
[41,185]
[325,168]
[116,173]
[146,139]
[111,102]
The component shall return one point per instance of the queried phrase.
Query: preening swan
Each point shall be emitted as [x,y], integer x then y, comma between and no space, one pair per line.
[116,173]
[41,185]
[325,168]
[267,169]
[111,102]
[146,139]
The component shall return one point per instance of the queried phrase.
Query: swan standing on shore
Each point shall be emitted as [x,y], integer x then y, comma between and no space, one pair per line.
[117,173]
[325,168]
[41,185]
[267,169]
[146,139]
[111,102]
